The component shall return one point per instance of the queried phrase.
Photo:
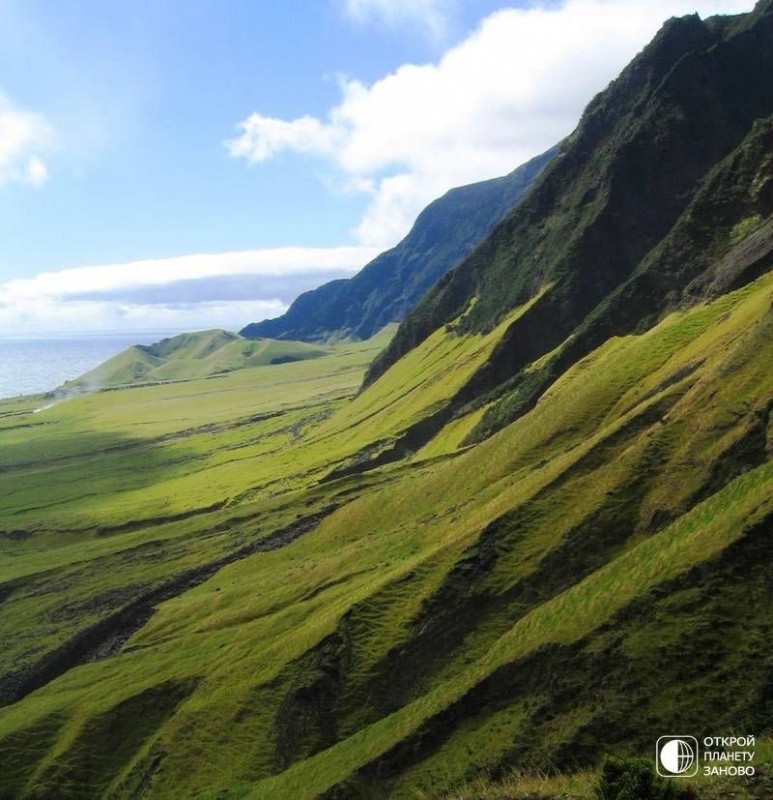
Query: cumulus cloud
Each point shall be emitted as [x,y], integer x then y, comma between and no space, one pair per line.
[186,292]
[23,134]
[510,90]
[263,137]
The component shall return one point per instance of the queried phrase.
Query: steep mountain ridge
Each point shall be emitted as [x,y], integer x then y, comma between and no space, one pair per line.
[385,290]
[617,187]
[723,240]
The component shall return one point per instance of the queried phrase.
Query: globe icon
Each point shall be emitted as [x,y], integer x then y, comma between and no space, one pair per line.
[677,756]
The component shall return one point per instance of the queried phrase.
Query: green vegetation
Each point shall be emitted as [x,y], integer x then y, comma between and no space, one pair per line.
[635,779]
[536,539]
[189,356]
[329,662]
[517,785]
[664,154]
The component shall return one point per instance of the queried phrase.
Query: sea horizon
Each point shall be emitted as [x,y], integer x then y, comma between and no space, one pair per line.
[33,363]
[93,334]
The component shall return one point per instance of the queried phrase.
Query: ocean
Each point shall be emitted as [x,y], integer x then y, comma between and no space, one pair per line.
[33,365]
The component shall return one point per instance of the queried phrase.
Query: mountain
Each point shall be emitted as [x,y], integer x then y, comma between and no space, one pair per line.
[188,356]
[578,248]
[385,290]
[535,538]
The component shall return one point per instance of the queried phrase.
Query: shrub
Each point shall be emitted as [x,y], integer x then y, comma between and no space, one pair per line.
[635,779]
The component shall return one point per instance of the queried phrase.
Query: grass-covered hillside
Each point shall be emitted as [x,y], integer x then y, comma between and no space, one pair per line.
[535,539]
[188,356]
[194,608]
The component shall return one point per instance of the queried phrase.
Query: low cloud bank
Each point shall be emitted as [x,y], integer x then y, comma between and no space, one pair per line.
[225,290]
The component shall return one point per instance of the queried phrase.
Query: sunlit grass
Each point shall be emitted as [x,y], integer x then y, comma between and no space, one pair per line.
[641,407]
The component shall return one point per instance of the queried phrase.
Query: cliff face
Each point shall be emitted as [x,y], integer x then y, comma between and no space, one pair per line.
[391,285]
[644,150]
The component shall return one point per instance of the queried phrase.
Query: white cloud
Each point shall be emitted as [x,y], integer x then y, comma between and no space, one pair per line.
[22,135]
[180,292]
[429,15]
[264,137]
[53,317]
[514,87]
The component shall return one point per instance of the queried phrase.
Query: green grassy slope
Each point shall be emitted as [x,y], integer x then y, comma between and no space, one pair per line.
[540,537]
[189,356]
[91,481]
[439,616]
[723,239]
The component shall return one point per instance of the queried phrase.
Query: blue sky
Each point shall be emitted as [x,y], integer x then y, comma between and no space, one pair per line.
[168,164]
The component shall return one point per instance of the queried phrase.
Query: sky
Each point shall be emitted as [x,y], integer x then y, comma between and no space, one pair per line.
[188,164]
